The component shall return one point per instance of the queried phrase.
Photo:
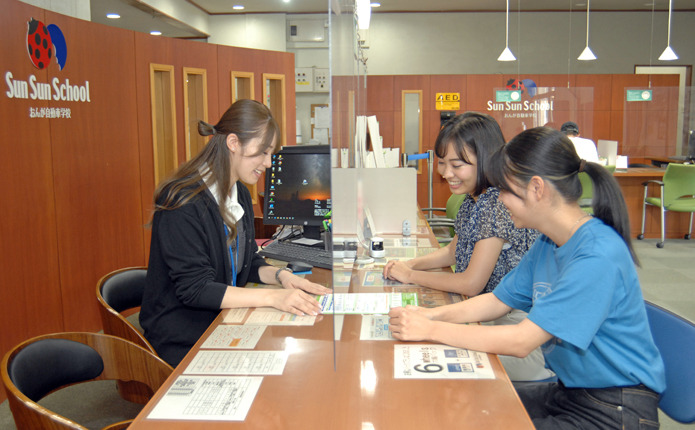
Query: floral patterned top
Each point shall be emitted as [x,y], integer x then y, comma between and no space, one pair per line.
[483,219]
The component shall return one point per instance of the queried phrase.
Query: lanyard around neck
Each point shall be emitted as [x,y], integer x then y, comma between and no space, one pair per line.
[233,255]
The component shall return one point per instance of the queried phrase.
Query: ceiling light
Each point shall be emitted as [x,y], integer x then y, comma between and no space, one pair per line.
[587,54]
[364,14]
[113,15]
[156,33]
[238,7]
[668,54]
[506,54]
[375,4]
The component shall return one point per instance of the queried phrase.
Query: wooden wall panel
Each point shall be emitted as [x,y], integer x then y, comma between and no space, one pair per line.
[30,296]
[96,169]
[179,54]
[598,109]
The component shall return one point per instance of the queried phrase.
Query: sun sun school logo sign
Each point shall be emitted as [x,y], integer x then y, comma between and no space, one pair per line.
[46,44]
[511,99]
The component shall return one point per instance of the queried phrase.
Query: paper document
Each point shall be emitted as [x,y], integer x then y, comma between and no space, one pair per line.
[440,362]
[235,315]
[269,316]
[226,398]
[234,336]
[365,303]
[375,327]
[237,363]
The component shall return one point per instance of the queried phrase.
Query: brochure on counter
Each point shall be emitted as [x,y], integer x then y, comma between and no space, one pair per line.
[365,303]
[440,362]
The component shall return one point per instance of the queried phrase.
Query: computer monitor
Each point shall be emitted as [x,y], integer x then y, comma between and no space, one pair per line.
[298,188]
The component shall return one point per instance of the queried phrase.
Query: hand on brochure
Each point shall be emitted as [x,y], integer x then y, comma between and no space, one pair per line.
[410,323]
[295,301]
[398,270]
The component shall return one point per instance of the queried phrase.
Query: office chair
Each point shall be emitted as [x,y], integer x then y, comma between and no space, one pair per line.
[675,338]
[585,200]
[453,204]
[120,294]
[47,363]
[676,194]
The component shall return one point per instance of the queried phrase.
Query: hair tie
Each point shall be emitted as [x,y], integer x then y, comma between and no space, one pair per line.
[582,163]
[214,130]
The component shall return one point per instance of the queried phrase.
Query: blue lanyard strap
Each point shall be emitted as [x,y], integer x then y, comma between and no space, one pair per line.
[233,255]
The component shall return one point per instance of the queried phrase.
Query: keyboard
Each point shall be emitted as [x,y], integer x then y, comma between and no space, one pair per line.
[287,251]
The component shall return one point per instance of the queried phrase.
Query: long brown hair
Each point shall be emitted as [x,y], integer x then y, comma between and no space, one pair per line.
[247,119]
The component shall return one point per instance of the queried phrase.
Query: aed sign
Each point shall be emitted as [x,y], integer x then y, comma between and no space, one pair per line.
[448,101]
[507,96]
[639,95]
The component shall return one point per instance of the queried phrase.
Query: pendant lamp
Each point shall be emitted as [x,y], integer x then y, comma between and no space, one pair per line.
[506,55]
[587,54]
[668,54]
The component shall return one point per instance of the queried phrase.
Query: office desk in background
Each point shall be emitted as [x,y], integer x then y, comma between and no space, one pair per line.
[360,392]
[630,181]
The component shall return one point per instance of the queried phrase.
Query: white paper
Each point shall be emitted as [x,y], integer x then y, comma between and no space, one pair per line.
[207,362]
[234,336]
[321,135]
[364,303]
[226,398]
[235,315]
[377,145]
[375,327]
[440,362]
[322,117]
[269,316]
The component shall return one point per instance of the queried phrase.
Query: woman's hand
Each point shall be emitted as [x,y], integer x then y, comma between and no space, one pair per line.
[295,301]
[398,270]
[291,281]
[410,323]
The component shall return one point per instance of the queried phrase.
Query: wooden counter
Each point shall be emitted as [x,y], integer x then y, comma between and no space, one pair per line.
[350,384]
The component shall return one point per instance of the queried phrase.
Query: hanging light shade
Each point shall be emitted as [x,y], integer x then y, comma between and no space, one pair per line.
[668,54]
[506,55]
[587,54]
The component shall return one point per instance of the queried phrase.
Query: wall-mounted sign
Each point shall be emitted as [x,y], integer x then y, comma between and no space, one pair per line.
[639,95]
[46,45]
[448,101]
[507,96]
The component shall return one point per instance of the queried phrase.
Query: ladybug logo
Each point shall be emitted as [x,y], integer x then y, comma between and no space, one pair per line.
[45,42]
[523,85]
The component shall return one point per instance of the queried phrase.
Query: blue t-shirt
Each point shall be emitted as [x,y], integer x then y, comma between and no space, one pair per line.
[587,295]
[485,218]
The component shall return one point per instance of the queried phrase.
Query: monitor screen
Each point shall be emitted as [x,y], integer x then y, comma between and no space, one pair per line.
[298,188]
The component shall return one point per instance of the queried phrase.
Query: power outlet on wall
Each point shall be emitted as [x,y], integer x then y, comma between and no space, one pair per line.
[304,79]
[320,80]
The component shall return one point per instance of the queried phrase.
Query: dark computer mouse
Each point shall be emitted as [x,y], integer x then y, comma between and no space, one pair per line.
[299,266]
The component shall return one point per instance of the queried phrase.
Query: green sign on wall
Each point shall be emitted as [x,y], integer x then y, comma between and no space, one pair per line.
[639,95]
[507,96]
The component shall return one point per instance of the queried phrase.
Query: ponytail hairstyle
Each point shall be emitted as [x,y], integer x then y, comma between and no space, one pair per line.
[475,133]
[548,153]
[247,119]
